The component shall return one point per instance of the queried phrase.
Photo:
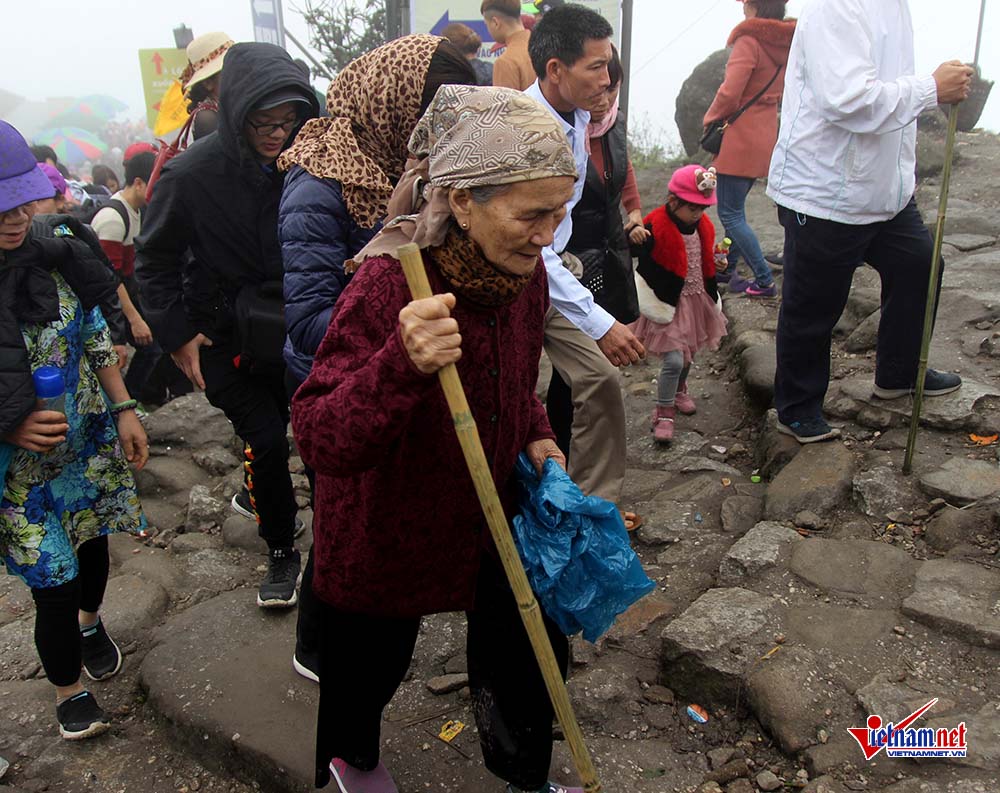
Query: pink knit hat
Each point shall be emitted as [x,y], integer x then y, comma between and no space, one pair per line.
[694,184]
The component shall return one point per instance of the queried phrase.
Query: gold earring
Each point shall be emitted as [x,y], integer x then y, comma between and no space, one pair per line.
[465,226]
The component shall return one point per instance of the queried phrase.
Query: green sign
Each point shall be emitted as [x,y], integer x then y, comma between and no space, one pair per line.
[159,69]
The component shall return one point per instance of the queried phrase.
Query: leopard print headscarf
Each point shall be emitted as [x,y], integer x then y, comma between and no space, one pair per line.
[374,105]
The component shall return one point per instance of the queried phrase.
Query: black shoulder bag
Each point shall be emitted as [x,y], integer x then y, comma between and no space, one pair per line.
[711,141]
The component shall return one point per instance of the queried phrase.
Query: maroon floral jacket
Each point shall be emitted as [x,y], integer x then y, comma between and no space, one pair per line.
[398,528]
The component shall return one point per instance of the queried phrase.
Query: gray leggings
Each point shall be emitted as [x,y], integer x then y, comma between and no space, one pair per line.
[673,375]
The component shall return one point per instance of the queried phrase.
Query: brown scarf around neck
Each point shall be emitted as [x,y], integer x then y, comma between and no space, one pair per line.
[462,262]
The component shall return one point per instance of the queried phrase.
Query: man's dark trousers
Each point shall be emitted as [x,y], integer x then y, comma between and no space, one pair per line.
[257,406]
[820,259]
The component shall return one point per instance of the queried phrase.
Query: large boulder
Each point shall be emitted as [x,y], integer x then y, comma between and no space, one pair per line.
[696,96]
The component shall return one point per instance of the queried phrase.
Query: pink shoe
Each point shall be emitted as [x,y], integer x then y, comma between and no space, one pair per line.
[683,402]
[350,780]
[663,424]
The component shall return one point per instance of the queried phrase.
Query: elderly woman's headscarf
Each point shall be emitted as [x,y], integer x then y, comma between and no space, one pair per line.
[374,103]
[469,137]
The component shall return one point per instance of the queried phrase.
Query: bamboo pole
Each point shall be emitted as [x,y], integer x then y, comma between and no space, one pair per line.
[932,290]
[475,458]
[931,309]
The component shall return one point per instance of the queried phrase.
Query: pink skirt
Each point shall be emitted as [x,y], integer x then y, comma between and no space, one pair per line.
[697,324]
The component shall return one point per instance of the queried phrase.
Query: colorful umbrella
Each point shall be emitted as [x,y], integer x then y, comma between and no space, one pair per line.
[72,145]
[90,112]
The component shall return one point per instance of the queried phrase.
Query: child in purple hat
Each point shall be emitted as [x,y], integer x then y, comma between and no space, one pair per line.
[679,303]
[65,483]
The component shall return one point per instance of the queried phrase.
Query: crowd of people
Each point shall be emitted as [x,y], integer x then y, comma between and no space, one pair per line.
[260,265]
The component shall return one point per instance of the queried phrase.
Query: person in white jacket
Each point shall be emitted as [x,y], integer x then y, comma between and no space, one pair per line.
[843,176]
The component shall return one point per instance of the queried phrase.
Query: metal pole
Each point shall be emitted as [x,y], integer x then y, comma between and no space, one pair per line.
[626,53]
[319,66]
[931,309]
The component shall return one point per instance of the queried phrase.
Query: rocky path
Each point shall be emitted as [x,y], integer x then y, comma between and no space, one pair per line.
[800,590]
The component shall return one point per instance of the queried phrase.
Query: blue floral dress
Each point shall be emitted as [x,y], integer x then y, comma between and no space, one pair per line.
[82,489]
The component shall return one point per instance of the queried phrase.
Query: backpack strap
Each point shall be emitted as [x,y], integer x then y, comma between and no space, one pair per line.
[119,206]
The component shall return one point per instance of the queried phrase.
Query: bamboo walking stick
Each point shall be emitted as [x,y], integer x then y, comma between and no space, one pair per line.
[475,458]
[932,292]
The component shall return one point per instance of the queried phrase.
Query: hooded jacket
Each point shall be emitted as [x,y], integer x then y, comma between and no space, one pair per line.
[212,226]
[760,49]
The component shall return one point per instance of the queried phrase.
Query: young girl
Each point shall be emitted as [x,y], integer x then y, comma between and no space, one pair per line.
[65,482]
[679,303]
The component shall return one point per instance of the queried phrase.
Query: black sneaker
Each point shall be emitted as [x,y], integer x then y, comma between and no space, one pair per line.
[935,384]
[306,663]
[809,430]
[277,590]
[81,717]
[242,506]
[101,657]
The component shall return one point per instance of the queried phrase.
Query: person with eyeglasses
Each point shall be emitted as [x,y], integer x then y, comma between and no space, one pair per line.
[219,309]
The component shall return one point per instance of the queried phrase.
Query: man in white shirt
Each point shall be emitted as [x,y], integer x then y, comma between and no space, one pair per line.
[570,50]
[843,176]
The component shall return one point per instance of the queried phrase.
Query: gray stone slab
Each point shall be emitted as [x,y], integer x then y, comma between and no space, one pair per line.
[883,489]
[132,606]
[707,650]
[894,700]
[959,598]
[984,737]
[666,521]
[864,337]
[240,532]
[757,551]
[222,674]
[739,514]
[192,543]
[819,478]
[955,411]
[970,242]
[757,367]
[961,481]
[205,511]
[790,693]
[189,421]
[854,567]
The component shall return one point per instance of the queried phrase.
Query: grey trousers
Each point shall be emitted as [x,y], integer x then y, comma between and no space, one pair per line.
[597,450]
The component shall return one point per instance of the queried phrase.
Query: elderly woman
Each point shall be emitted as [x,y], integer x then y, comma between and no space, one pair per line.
[399,530]
[65,483]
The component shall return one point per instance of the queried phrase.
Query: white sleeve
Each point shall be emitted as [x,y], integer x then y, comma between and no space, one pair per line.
[573,300]
[838,46]
[108,225]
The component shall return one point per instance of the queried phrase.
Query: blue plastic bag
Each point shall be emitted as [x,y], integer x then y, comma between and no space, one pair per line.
[576,552]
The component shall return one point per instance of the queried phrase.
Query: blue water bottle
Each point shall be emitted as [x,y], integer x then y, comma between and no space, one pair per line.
[50,388]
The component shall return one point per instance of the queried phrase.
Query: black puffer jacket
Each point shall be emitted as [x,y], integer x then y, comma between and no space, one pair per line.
[28,294]
[216,201]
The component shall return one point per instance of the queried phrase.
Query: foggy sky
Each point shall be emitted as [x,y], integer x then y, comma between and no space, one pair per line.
[69,48]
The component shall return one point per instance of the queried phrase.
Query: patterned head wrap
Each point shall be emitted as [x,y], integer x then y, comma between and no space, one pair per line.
[469,137]
[374,104]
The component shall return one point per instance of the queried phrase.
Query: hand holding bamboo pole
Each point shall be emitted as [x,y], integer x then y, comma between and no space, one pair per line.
[472,448]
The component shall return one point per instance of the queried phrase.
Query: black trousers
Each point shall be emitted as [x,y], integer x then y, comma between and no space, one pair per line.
[57,626]
[820,259]
[559,408]
[257,405]
[363,660]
